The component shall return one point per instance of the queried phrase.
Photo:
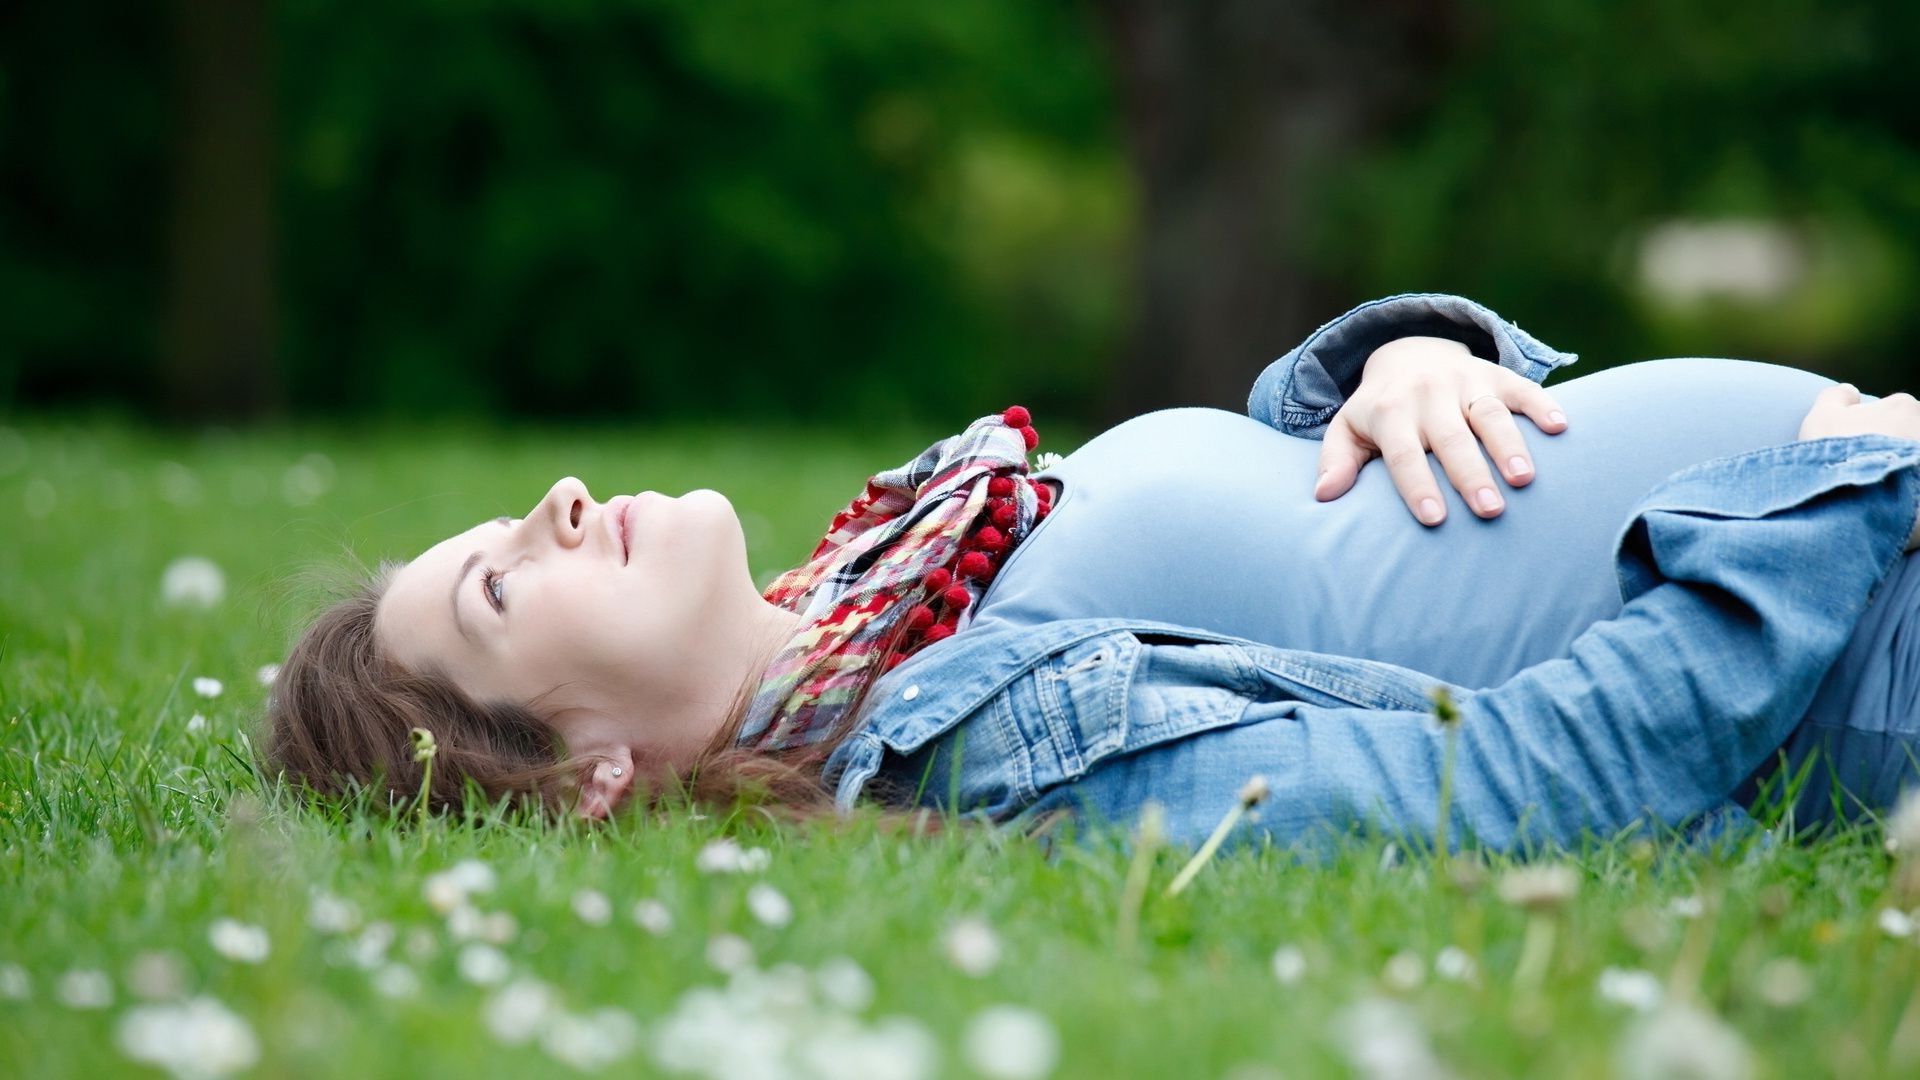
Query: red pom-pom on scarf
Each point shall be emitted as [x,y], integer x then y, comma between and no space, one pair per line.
[1016,416]
[920,616]
[938,579]
[973,564]
[957,597]
[1031,436]
[1000,486]
[938,632]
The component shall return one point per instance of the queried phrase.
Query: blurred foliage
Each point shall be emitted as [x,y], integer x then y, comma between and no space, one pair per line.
[670,207]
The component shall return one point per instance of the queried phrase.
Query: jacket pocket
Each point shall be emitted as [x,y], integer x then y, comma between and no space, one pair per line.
[1122,692]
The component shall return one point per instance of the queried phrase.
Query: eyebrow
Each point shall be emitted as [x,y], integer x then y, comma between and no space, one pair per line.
[465,569]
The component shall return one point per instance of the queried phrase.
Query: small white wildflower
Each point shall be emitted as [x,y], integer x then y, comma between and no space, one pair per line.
[1784,982]
[192,582]
[769,906]
[1405,970]
[1681,1040]
[243,943]
[483,964]
[157,975]
[1008,1042]
[194,1039]
[1896,923]
[519,1010]
[396,981]
[652,916]
[592,907]
[893,1048]
[450,888]
[463,922]
[845,983]
[1540,887]
[329,914]
[1289,965]
[208,687]
[422,945]
[84,988]
[14,983]
[1383,1039]
[729,953]
[196,724]
[498,928]
[370,948]
[1254,791]
[1686,907]
[593,1041]
[1455,965]
[726,856]
[267,674]
[1046,459]
[1637,990]
[972,946]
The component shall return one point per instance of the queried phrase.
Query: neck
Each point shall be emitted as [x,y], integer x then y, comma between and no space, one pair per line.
[746,642]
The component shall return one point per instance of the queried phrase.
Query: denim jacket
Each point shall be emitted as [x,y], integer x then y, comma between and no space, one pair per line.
[1742,577]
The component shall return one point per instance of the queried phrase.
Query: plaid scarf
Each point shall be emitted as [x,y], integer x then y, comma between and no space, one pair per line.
[921,537]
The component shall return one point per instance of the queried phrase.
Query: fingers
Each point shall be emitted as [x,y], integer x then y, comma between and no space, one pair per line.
[1457,448]
[1493,422]
[1532,401]
[1406,458]
[1341,456]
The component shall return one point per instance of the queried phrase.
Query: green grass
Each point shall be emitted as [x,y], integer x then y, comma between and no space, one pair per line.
[123,835]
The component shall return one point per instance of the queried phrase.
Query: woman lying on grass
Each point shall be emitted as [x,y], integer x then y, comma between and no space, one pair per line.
[1702,595]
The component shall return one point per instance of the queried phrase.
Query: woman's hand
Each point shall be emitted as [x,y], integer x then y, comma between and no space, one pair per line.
[1839,411]
[1418,393]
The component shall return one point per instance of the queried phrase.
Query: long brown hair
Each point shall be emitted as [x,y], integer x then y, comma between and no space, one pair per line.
[340,713]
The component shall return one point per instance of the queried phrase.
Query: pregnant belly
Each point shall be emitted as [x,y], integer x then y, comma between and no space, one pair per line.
[1206,518]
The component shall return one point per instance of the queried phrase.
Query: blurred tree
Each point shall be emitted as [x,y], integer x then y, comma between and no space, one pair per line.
[220,353]
[1238,113]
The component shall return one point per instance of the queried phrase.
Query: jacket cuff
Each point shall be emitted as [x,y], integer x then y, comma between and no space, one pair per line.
[1300,392]
[1766,482]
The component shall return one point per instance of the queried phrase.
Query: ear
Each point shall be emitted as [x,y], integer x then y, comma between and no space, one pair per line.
[607,786]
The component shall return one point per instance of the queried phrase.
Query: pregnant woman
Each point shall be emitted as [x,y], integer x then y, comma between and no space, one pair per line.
[1696,586]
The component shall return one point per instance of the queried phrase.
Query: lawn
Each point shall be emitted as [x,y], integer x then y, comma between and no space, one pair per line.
[162,903]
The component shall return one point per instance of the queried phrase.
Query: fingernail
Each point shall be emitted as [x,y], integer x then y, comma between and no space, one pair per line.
[1517,466]
[1557,417]
[1430,511]
[1489,499]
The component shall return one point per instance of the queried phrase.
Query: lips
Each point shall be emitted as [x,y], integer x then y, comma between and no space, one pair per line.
[620,523]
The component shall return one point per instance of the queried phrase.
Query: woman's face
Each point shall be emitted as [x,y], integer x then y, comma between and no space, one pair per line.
[580,605]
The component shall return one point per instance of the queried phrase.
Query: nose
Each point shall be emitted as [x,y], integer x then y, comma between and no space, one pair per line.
[564,511]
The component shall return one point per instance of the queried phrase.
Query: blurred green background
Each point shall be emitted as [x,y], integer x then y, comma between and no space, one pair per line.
[647,209]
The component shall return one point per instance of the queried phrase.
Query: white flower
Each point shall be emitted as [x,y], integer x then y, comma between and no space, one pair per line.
[421,944]
[208,687]
[592,907]
[1541,887]
[192,582]
[370,948]
[14,983]
[267,674]
[1289,965]
[519,1010]
[729,953]
[846,984]
[1631,987]
[1383,1039]
[196,724]
[84,989]
[593,1041]
[237,941]
[329,914]
[396,981]
[726,856]
[1903,824]
[1784,983]
[1455,965]
[1680,1040]
[1405,970]
[197,1038]
[157,976]
[652,916]
[894,1048]
[1046,459]
[483,964]
[1686,907]
[450,888]
[972,946]
[769,906]
[1008,1042]
[1896,923]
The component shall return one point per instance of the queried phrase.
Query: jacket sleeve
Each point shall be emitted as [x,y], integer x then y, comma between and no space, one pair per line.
[1300,392]
[1744,578]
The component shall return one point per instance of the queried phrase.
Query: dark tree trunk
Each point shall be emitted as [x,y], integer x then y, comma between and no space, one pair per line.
[1236,112]
[219,348]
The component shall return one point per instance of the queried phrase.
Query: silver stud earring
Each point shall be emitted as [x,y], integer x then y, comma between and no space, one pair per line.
[618,772]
